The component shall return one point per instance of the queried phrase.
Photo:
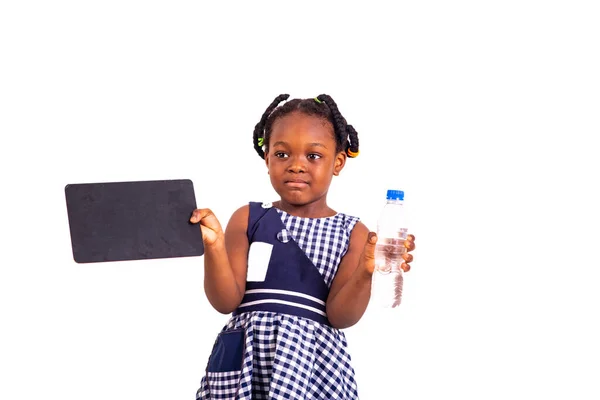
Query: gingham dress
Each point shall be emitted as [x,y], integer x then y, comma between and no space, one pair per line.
[290,357]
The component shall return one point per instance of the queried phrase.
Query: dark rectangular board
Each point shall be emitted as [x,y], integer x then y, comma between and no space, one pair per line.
[124,221]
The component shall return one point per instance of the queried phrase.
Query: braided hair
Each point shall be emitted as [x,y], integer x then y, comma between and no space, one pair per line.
[322,106]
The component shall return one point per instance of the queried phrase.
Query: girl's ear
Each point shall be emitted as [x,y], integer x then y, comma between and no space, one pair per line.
[340,161]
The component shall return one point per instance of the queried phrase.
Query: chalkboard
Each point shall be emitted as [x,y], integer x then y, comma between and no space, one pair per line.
[120,221]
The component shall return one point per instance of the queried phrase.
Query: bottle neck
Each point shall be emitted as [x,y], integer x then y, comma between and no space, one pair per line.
[392,201]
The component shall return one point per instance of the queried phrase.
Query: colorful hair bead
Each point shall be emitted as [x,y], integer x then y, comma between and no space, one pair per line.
[352,154]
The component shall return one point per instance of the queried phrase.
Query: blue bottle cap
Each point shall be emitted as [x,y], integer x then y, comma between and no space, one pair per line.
[395,195]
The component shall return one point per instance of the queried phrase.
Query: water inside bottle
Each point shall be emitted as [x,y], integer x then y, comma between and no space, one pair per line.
[388,254]
[387,277]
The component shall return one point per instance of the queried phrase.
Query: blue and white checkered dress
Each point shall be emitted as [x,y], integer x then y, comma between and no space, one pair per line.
[290,357]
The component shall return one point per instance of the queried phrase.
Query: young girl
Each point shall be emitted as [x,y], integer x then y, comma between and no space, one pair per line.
[293,272]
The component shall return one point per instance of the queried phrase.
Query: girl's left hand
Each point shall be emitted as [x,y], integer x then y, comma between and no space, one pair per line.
[410,246]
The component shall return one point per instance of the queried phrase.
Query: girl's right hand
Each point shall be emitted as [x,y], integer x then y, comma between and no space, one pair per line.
[209,225]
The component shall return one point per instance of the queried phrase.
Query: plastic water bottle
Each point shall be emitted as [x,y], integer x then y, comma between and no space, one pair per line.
[387,279]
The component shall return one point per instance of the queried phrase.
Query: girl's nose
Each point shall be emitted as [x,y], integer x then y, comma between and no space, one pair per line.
[296,165]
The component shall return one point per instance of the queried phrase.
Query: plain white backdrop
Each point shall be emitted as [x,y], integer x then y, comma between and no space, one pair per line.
[485,113]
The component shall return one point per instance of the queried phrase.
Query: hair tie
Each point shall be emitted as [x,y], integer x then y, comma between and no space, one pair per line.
[318,101]
[261,141]
[352,154]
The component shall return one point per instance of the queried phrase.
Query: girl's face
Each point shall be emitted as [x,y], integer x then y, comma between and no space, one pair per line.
[302,158]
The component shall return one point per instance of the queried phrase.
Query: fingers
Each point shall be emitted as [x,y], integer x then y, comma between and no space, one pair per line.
[209,225]
[207,219]
[410,243]
[408,258]
[199,213]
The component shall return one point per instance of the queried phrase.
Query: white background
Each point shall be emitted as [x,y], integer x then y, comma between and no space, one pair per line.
[485,113]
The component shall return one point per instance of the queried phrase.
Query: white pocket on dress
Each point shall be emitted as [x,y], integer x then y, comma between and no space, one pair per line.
[259,257]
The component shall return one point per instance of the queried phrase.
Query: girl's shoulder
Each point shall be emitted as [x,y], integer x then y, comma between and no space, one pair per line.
[248,214]
[239,218]
[349,222]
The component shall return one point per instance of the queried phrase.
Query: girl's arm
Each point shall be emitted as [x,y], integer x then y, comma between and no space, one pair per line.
[351,288]
[225,258]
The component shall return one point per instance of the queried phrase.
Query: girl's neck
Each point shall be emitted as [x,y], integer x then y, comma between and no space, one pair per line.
[318,209]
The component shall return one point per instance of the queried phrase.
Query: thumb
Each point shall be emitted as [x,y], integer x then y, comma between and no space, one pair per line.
[368,254]
[369,250]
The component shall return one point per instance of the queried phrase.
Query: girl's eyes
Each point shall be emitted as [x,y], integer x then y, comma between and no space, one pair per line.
[311,156]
